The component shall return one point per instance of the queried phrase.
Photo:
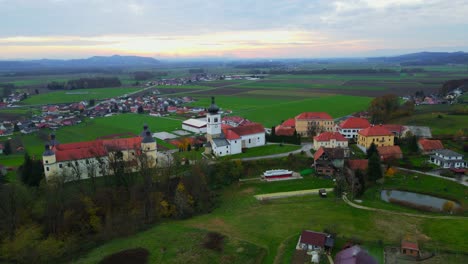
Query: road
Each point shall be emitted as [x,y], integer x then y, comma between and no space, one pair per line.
[305,147]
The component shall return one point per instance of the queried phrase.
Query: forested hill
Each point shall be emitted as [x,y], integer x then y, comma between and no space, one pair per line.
[93,62]
[426,58]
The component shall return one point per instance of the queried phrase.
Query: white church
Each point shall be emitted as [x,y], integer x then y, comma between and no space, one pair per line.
[224,139]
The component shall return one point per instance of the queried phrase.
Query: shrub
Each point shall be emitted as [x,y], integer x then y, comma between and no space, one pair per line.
[128,256]
[214,241]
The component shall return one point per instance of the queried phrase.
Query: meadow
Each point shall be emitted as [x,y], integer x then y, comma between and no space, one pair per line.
[275,225]
[439,122]
[70,96]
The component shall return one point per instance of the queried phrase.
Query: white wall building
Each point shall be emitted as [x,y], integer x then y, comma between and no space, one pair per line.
[195,125]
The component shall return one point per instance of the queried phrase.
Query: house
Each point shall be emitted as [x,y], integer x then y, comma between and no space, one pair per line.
[378,135]
[330,140]
[315,241]
[286,128]
[396,130]
[447,158]
[82,160]
[358,164]
[223,139]
[354,255]
[410,248]
[428,146]
[389,152]
[194,125]
[327,161]
[351,126]
[308,122]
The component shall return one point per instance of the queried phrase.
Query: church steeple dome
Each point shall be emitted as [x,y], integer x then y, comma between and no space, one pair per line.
[213,109]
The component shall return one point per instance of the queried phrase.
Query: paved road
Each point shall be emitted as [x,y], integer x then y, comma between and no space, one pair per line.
[305,147]
[463,180]
[346,200]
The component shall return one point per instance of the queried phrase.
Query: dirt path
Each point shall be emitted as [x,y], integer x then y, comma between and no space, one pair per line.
[346,200]
[280,195]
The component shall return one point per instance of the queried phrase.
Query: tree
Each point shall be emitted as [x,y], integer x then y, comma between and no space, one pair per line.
[16,128]
[371,150]
[413,144]
[31,172]
[140,109]
[36,91]
[92,102]
[374,170]
[183,202]
[382,107]
[7,148]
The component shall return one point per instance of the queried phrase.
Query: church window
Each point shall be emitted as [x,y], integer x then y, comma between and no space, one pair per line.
[209,120]
[46,161]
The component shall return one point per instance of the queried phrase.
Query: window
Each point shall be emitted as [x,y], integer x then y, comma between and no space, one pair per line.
[69,164]
[216,120]
[47,168]
[147,148]
[208,119]
[250,140]
[46,161]
[133,153]
[235,141]
[76,163]
[87,161]
[60,165]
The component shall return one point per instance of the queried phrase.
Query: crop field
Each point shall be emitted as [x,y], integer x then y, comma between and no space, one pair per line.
[70,96]
[275,225]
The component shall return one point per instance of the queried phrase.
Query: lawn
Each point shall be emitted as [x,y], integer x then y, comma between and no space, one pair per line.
[440,123]
[70,96]
[260,110]
[264,151]
[269,224]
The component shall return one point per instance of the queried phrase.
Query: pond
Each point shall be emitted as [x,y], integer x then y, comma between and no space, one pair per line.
[411,199]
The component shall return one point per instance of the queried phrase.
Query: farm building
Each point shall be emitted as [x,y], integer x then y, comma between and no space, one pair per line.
[194,125]
[447,158]
[354,255]
[378,135]
[226,140]
[330,140]
[428,146]
[82,160]
[308,122]
[351,126]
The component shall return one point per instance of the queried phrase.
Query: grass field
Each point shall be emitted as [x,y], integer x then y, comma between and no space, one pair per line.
[71,96]
[275,225]
[440,123]
[264,151]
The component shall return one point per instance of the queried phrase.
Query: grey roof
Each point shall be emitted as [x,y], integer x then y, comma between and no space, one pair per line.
[354,255]
[148,139]
[420,131]
[448,153]
[220,142]
[213,109]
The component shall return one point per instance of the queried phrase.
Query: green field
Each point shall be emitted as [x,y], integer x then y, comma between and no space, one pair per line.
[71,96]
[269,224]
[264,151]
[440,123]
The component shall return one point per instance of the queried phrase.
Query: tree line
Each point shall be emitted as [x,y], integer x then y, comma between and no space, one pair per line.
[84,83]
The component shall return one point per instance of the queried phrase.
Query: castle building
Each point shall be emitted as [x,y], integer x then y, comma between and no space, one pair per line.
[223,139]
[96,158]
[317,122]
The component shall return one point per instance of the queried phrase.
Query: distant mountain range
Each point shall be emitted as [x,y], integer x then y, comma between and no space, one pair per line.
[93,62]
[426,58]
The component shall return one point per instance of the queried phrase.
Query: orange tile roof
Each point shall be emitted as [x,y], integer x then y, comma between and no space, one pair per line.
[375,131]
[360,164]
[327,136]
[289,123]
[355,122]
[314,115]
[249,129]
[429,145]
[318,153]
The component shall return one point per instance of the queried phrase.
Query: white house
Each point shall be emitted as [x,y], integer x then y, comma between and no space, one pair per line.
[225,140]
[330,140]
[194,125]
[351,126]
[447,158]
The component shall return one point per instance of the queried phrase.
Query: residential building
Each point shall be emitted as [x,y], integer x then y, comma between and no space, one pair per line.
[330,140]
[378,135]
[428,146]
[286,128]
[409,248]
[223,139]
[351,126]
[387,153]
[354,255]
[308,123]
[447,158]
[96,158]
[328,161]
[315,241]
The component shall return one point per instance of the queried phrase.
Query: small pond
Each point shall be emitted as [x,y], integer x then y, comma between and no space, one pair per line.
[416,199]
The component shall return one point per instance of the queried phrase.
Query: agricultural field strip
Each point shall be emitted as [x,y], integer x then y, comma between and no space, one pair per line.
[280,195]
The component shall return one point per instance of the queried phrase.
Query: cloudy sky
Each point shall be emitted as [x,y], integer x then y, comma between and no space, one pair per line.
[230,28]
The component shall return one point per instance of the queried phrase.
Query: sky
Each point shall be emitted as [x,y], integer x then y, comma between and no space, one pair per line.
[175,29]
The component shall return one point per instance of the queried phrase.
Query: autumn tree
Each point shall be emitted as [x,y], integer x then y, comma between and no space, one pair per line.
[381,108]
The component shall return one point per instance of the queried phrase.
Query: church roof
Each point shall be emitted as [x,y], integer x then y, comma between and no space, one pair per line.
[249,129]
[213,109]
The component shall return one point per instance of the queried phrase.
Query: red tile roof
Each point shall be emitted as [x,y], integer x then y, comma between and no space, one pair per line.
[318,153]
[313,238]
[284,131]
[249,129]
[409,245]
[327,136]
[96,148]
[394,128]
[429,145]
[314,115]
[355,122]
[289,123]
[375,131]
[231,135]
[360,164]
[389,152]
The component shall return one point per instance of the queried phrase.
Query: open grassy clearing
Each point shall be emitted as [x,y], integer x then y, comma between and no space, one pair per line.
[264,151]
[268,224]
[70,96]
[440,123]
